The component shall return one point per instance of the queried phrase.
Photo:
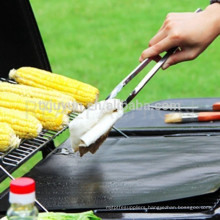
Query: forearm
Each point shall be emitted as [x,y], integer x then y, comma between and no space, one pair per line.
[213,13]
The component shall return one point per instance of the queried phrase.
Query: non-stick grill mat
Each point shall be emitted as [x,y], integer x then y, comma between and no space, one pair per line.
[130,171]
[151,121]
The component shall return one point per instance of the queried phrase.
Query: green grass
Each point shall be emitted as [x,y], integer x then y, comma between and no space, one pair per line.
[100,41]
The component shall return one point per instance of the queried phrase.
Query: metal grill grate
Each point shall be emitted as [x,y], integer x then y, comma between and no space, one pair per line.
[29,147]
[7,80]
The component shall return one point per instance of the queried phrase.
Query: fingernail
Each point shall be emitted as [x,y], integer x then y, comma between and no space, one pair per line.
[140,59]
[165,66]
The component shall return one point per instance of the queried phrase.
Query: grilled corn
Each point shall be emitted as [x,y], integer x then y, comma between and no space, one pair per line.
[82,92]
[8,138]
[51,119]
[62,100]
[25,125]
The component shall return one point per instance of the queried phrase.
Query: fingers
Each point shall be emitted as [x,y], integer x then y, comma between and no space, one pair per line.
[178,57]
[171,17]
[157,38]
[155,50]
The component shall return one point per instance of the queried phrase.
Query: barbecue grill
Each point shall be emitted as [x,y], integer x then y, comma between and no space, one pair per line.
[65,193]
[25,49]
[21,45]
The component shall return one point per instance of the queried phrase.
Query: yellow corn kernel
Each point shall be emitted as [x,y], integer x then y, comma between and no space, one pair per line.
[82,92]
[24,124]
[49,117]
[50,96]
[8,138]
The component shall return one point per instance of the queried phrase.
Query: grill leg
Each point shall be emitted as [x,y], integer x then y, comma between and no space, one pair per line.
[49,148]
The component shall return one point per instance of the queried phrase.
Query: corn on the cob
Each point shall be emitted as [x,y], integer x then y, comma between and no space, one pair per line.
[62,100]
[82,92]
[8,138]
[51,119]
[24,124]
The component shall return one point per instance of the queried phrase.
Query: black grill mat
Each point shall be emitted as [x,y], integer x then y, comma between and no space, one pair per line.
[130,171]
[146,121]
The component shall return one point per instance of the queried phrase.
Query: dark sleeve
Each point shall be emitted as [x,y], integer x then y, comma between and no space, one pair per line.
[214,1]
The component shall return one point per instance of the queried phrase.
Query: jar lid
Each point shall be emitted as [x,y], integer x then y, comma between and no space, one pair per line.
[23,185]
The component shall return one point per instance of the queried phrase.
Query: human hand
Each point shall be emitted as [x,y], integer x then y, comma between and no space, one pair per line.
[190,32]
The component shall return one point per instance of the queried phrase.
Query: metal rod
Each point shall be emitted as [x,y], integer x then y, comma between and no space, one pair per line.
[8,174]
[120,132]
[146,79]
[128,78]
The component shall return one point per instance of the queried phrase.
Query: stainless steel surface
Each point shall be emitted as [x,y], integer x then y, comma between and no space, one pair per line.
[205,108]
[150,74]
[7,80]
[189,117]
[128,78]
[9,175]
[143,82]
[120,132]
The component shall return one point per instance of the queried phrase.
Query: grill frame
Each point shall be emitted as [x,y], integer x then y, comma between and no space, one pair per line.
[29,147]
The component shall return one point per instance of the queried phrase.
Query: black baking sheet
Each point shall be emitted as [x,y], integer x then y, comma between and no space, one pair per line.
[129,171]
[148,121]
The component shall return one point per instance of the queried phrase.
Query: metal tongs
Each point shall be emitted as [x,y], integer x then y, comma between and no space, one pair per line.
[141,84]
[144,81]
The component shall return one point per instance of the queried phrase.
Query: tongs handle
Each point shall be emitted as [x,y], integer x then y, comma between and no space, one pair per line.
[128,78]
[143,82]
[150,74]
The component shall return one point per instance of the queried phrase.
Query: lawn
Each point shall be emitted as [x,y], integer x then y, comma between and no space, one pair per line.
[100,41]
